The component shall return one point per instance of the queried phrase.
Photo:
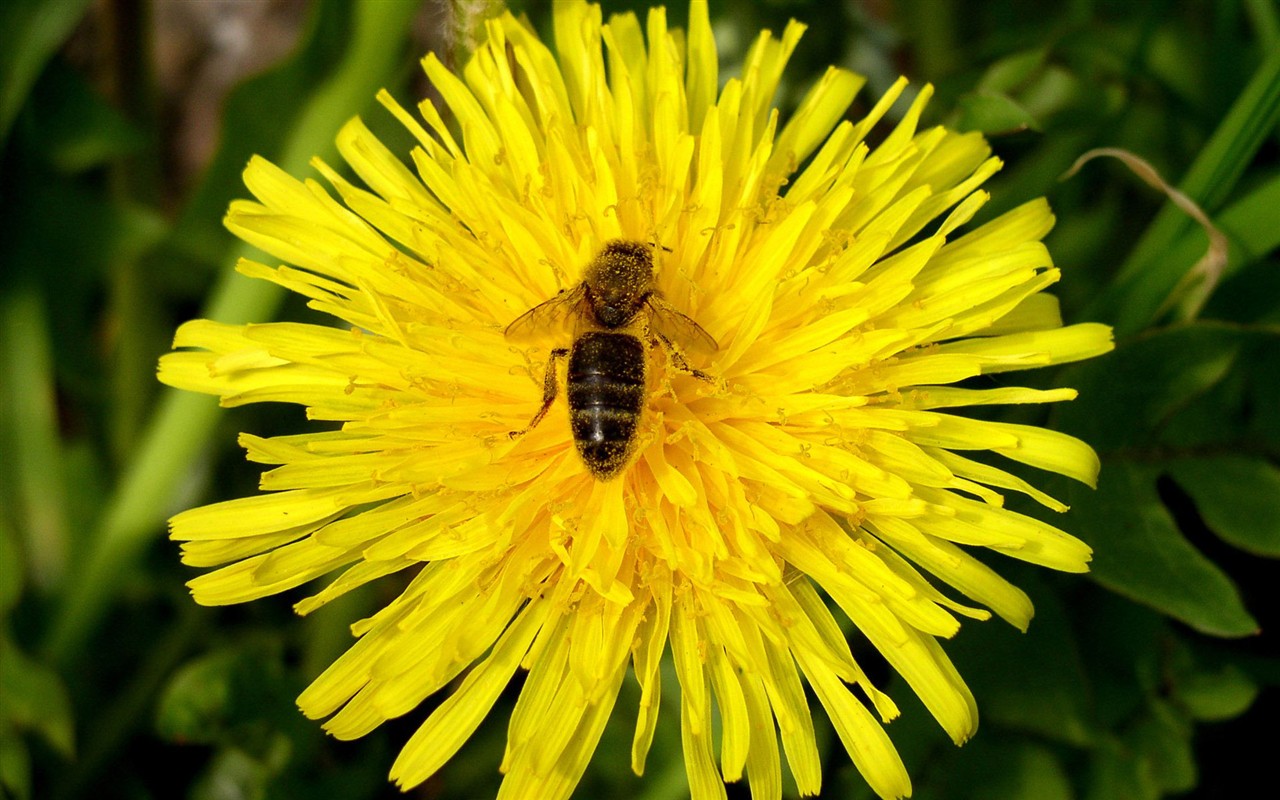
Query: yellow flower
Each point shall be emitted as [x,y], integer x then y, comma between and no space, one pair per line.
[816,457]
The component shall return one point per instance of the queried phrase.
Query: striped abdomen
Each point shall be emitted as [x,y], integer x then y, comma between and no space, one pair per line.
[606,394]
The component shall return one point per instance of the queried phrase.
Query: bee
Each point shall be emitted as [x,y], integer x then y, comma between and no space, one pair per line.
[607,361]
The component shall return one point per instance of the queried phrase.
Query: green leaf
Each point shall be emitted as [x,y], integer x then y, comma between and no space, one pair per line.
[34,29]
[1140,553]
[32,697]
[1252,227]
[1122,645]
[1260,393]
[993,114]
[1148,275]
[233,695]
[994,766]
[39,232]
[1162,737]
[1219,695]
[1225,418]
[1029,682]
[56,245]
[236,696]
[1012,72]
[1238,497]
[1026,772]
[76,128]
[15,764]
[29,429]
[194,705]
[1265,18]
[12,574]
[233,773]
[1129,395]
[1114,773]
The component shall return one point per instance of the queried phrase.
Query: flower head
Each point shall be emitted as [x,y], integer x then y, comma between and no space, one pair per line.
[807,451]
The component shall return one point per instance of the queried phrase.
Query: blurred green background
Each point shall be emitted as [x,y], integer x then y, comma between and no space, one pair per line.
[124,126]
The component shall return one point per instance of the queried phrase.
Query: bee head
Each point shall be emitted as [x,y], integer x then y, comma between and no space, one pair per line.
[618,280]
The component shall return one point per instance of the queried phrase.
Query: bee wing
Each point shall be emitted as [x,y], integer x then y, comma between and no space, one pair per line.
[667,321]
[548,316]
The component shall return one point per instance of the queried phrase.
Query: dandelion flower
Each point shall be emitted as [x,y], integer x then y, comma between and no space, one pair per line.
[819,472]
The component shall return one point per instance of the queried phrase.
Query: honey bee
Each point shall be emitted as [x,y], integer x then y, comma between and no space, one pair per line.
[607,361]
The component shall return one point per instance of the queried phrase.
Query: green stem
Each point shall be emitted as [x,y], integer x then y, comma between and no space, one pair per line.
[133,179]
[127,28]
[180,428]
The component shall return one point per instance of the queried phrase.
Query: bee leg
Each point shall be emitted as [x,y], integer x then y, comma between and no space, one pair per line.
[678,360]
[550,388]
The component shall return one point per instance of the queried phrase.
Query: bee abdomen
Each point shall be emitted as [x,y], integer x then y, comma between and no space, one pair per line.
[606,389]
